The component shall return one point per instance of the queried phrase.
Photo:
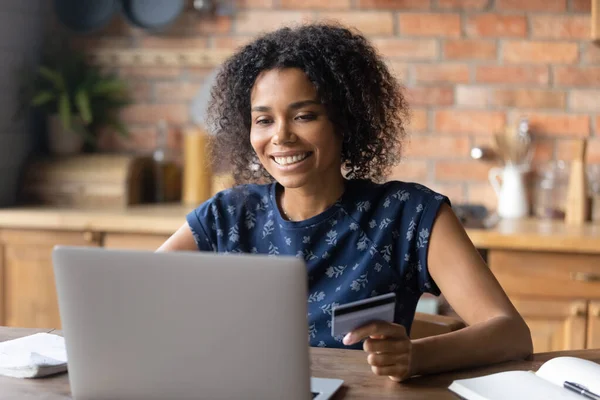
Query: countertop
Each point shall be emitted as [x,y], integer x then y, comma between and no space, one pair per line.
[527,234]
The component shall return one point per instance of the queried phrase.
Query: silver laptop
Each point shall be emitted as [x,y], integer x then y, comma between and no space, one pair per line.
[185,325]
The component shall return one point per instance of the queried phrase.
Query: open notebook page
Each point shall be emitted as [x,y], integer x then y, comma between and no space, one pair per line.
[514,385]
[572,369]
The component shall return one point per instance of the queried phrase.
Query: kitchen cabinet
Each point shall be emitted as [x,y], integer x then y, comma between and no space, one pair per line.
[28,291]
[593,325]
[134,241]
[558,295]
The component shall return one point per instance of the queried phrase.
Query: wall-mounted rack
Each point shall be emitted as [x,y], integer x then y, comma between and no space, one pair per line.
[158,57]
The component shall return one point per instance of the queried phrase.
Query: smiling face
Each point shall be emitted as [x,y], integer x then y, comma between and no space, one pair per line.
[290,131]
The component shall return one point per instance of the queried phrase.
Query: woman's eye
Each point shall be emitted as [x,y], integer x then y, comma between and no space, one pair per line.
[306,117]
[263,121]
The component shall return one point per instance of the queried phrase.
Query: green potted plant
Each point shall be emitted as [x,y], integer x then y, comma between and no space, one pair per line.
[77,98]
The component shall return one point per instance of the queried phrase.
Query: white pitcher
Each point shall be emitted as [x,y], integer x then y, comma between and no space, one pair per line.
[512,196]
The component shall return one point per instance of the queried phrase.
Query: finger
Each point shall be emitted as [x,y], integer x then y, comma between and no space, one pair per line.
[397,346]
[397,371]
[383,360]
[386,329]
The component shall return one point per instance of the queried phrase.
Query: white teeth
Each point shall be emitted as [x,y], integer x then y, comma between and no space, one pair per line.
[290,159]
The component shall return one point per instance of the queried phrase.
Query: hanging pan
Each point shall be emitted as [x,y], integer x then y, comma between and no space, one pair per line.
[152,14]
[85,16]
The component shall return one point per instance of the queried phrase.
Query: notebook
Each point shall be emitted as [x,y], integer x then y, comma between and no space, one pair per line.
[547,383]
[33,356]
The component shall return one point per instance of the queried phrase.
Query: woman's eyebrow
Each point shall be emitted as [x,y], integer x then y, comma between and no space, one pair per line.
[294,106]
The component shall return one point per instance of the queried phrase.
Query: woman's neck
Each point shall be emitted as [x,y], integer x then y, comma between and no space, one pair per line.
[302,203]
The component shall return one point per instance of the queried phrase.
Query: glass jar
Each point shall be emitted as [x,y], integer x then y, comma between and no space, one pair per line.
[550,190]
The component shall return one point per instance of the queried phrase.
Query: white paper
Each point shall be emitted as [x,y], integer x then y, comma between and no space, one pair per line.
[29,355]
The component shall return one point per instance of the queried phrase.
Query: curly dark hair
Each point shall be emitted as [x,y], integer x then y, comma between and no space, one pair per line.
[363,99]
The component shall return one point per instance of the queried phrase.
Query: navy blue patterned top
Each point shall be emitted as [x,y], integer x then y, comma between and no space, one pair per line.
[372,241]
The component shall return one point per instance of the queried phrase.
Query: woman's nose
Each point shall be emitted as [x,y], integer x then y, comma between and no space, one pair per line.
[283,134]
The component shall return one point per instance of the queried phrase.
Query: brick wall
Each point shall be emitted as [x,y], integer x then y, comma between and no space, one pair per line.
[470,67]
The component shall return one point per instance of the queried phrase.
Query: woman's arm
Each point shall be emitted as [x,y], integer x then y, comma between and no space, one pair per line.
[181,240]
[495,332]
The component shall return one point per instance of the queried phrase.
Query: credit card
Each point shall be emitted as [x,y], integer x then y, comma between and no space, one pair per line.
[349,316]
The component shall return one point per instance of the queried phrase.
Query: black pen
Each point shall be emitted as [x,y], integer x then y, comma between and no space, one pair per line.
[582,390]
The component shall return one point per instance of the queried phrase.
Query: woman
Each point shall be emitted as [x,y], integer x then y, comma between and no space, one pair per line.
[315,112]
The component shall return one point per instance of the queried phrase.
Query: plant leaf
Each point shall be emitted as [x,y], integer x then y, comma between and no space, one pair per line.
[120,128]
[42,98]
[108,86]
[82,101]
[53,76]
[64,111]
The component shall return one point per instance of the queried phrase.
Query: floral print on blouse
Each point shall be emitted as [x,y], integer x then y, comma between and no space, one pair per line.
[372,241]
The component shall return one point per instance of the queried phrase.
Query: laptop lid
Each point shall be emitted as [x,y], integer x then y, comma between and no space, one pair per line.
[179,325]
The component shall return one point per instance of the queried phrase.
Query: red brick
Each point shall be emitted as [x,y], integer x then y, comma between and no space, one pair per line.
[398,69]
[593,151]
[541,52]
[475,122]
[209,26]
[395,4]
[230,42]
[140,138]
[470,170]
[410,170]
[566,149]
[468,49]
[409,49]
[255,3]
[427,24]
[559,124]
[87,43]
[152,113]
[441,73]
[496,25]
[134,72]
[369,23]
[543,150]
[175,91]
[532,5]
[591,54]
[436,146]
[189,43]
[264,21]
[315,4]
[419,121]
[560,27]
[140,91]
[473,96]
[581,6]
[512,74]
[528,98]
[463,4]
[575,76]
[483,193]
[430,96]
[198,73]
[585,100]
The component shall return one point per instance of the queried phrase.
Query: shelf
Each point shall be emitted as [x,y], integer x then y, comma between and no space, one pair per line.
[159,57]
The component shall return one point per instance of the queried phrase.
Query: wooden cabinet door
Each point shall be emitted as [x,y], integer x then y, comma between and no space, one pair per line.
[593,338]
[29,292]
[554,324]
[133,241]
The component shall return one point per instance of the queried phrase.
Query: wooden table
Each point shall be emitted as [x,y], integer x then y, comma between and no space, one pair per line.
[349,365]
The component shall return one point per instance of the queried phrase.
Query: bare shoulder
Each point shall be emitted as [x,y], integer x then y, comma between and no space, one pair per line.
[181,240]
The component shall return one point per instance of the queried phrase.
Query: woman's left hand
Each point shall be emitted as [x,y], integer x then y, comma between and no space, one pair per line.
[388,346]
